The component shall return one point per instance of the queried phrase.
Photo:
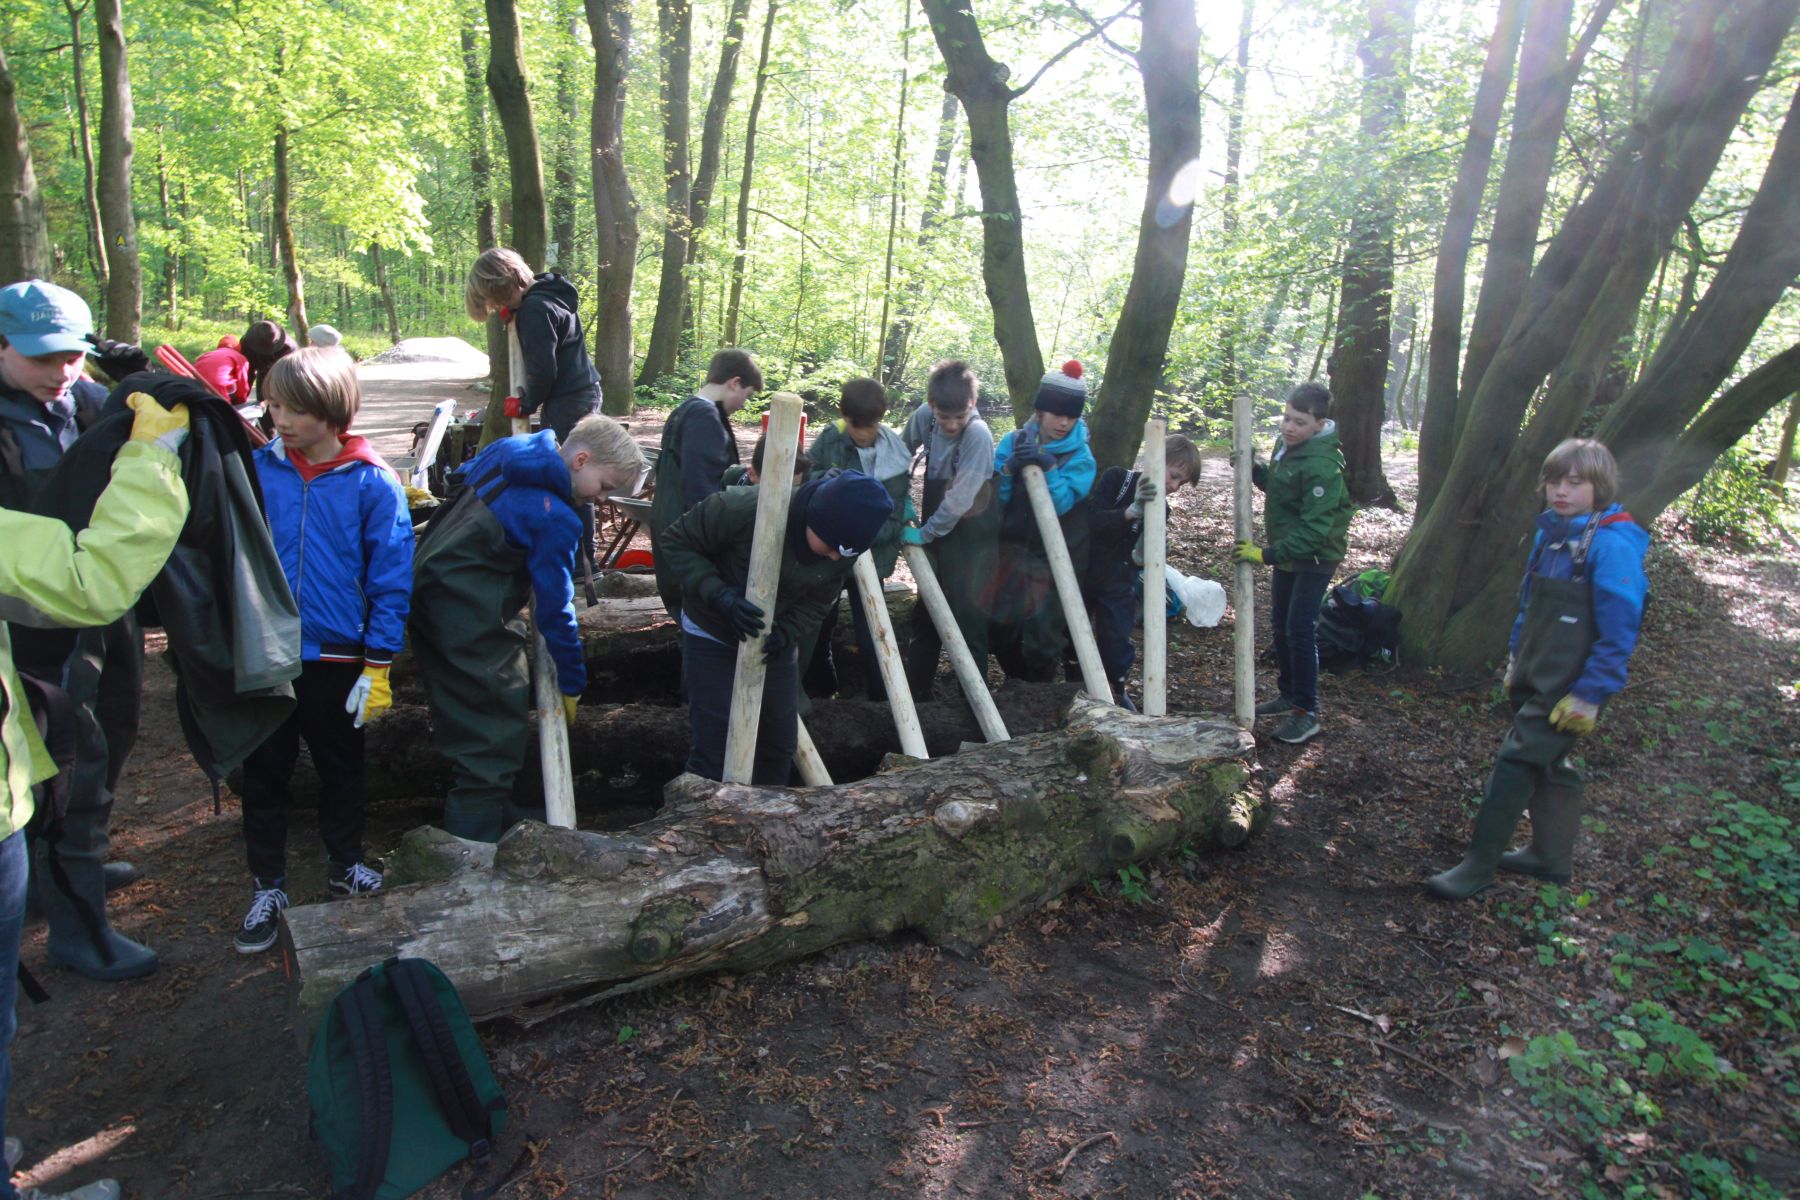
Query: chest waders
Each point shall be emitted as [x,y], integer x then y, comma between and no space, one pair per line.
[964,561]
[470,587]
[1028,633]
[1532,770]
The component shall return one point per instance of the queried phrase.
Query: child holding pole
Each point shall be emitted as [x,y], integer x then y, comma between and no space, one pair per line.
[1028,632]
[1572,640]
[1307,523]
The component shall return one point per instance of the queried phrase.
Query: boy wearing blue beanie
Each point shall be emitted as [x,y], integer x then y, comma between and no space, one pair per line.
[831,520]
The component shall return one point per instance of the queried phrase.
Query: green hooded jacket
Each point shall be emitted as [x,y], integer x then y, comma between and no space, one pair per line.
[1307,514]
[833,448]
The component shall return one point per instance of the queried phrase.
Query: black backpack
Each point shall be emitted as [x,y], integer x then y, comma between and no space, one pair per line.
[1355,629]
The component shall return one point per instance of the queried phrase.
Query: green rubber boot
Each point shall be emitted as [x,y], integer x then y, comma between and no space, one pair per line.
[1555,824]
[1509,790]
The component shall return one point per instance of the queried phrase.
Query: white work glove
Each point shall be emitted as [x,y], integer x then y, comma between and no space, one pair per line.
[1146,494]
[370,696]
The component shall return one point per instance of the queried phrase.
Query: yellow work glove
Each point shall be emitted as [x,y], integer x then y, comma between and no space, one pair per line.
[417,497]
[570,704]
[1574,715]
[1248,552]
[370,696]
[157,425]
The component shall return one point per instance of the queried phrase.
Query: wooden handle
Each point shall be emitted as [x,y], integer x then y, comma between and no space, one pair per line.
[1243,598]
[969,673]
[1062,569]
[887,654]
[1156,605]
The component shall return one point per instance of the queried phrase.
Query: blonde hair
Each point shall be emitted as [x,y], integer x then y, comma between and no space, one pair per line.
[492,280]
[609,443]
[319,381]
[1590,460]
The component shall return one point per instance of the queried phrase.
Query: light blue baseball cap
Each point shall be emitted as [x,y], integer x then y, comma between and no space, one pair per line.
[41,318]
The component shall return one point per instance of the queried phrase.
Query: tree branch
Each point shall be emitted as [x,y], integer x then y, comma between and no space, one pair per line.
[1098,30]
[817,245]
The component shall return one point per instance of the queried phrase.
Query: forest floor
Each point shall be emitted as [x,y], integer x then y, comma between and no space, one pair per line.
[1294,1018]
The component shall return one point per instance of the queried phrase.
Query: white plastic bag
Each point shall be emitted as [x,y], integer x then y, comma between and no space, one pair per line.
[1203,601]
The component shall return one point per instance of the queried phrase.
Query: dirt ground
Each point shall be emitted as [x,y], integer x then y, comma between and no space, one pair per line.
[1291,1019]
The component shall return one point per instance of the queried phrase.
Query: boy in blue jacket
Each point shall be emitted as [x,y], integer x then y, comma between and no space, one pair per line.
[340,524]
[1027,632]
[1579,609]
[511,532]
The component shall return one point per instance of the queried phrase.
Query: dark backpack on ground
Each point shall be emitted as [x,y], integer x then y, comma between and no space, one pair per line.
[1355,628]
[401,1091]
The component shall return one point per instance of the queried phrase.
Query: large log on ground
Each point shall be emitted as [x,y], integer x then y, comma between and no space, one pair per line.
[736,877]
[650,741]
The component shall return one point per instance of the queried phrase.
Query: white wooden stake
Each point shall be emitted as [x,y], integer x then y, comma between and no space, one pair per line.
[887,654]
[806,755]
[546,697]
[1062,569]
[969,673]
[780,445]
[1243,598]
[1156,604]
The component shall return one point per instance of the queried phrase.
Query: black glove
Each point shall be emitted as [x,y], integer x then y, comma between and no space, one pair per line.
[117,359]
[745,617]
[775,645]
[1027,453]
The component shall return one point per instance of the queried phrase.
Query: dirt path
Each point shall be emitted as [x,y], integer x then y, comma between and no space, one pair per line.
[1293,1019]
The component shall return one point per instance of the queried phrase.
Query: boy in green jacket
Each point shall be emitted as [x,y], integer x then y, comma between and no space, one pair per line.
[1307,519]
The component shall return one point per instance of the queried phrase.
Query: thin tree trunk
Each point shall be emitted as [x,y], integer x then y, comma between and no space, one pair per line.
[899,331]
[1359,360]
[734,307]
[712,147]
[481,184]
[1400,361]
[615,207]
[1169,60]
[562,221]
[387,294]
[284,236]
[884,369]
[125,270]
[979,83]
[1228,204]
[1437,428]
[1784,455]
[805,220]
[675,30]
[90,202]
[1318,363]
[168,229]
[24,239]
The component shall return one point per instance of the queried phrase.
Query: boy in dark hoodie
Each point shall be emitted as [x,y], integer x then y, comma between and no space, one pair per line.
[513,530]
[831,520]
[560,379]
[1028,632]
[1579,610]
[1307,521]
[345,538]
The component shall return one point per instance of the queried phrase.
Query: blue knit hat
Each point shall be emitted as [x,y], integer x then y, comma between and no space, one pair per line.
[848,510]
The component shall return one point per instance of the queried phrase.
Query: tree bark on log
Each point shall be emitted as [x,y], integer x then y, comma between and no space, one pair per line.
[731,877]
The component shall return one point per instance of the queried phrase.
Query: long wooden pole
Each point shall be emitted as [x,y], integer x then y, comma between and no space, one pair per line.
[1062,570]
[546,698]
[887,654]
[1156,605]
[1243,599]
[969,673]
[780,445]
[807,759]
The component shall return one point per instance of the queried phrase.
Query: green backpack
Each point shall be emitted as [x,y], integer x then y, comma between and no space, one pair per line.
[400,1089]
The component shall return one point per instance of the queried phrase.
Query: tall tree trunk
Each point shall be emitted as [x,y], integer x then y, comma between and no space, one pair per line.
[562,203]
[387,293]
[675,42]
[1784,454]
[90,202]
[1457,574]
[734,307]
[1169,60]
[899,330]
[284,236]
[979,83]
[1437,428]
[530,221]
[24,239]
[481,184]
[1400,358]
[1228,205]
[615,207]
[1359,359]
[125,270]
[712,146]
[168,230]
[883,368]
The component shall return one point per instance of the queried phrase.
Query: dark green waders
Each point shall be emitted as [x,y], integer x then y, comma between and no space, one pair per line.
[964,561]
[1532,770]
[468,631]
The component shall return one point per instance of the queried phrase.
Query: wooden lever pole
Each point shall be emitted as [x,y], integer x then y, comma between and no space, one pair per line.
[1156,604]
[1062,569]
[887,654]
[1243,599]
[969,673]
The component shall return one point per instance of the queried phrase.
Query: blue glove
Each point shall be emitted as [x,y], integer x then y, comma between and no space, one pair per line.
[1026,452]
[746,618]
[911,536]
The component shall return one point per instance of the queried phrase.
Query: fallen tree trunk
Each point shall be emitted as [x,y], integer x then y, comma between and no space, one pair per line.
[734,877]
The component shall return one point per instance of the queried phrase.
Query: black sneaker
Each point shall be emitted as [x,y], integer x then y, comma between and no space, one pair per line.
[353,880]
[1299,727]
[1278,707]
[263,921]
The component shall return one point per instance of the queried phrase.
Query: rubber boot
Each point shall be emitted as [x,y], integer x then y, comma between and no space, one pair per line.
[1555,824]
[1509,790]
[76,938]
[117,875]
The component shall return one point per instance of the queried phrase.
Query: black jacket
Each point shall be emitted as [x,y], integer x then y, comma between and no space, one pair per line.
[233,626]
[551,341]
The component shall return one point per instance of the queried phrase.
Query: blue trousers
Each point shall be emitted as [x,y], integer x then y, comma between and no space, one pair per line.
[14,872]
[1295,597]
[707,671]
